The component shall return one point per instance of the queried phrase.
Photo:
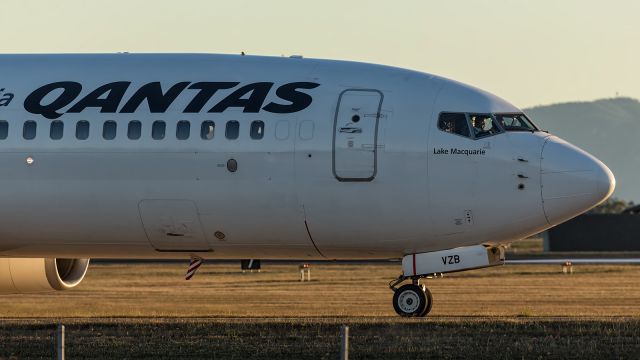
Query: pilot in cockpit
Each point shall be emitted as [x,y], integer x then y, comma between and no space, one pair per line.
[478,125]
[483,125]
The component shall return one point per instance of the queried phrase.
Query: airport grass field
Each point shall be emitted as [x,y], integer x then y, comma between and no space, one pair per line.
[148,310]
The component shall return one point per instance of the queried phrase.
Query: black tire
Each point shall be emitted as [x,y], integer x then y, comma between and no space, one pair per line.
[410,301]
[427,309]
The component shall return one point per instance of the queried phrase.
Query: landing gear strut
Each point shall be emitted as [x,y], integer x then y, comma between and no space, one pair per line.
[411,300]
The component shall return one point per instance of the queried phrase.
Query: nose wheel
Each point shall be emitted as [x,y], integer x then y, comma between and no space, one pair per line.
[412,300]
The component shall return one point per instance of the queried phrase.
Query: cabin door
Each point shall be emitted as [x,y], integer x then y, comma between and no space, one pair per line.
[173,225]
[355,135]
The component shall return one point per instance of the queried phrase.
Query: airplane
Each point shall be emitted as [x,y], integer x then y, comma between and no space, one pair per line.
[204,156]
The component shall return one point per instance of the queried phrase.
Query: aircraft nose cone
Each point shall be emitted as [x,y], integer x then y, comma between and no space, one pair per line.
[572,180]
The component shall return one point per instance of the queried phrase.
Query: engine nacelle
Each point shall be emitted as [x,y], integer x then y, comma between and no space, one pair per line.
[28,275]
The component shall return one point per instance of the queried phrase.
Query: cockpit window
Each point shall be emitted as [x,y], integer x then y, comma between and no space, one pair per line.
[515,122]
[483,125]
[455,123]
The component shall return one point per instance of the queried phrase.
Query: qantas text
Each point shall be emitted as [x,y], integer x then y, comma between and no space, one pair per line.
[49,100]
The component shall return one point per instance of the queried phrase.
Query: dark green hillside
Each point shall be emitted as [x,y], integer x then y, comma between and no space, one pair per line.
[608,128]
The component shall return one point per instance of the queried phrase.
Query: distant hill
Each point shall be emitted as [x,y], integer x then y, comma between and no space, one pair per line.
[609,129]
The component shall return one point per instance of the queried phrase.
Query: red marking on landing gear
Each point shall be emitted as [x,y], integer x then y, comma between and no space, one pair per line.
[414,264]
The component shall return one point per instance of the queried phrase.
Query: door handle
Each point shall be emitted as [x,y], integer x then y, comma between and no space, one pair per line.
[351,130]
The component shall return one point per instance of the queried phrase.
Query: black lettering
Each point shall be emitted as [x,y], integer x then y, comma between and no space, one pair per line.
[158,101]
[106,97]
[207,90]
[450,260]
[6,99]
[289,92]
[257,94]
[33,102]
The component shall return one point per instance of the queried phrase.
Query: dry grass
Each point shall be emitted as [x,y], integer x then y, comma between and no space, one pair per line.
[220,290]
[148,310]
[532,245]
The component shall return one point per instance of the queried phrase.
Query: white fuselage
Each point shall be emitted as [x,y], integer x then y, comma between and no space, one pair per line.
[348,163]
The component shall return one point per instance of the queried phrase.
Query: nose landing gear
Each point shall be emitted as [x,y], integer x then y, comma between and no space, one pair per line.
[411,300]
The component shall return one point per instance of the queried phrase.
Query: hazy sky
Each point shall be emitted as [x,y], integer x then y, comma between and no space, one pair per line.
[529,52]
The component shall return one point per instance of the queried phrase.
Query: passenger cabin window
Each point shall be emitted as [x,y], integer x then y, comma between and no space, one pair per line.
[257,130]
[455,123]
[109,130]
[4,129]
[233,130]
[56,130]
[29,130]
[515,122]
[207,130]
[82,130]
[183,129]
[158,129]
[483,125]
[134,130]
